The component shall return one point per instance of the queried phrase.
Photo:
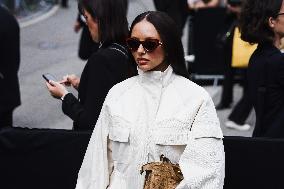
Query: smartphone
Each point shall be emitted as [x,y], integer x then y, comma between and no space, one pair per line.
[48,77]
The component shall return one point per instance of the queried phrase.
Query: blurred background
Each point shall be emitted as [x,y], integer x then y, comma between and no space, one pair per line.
[50,45]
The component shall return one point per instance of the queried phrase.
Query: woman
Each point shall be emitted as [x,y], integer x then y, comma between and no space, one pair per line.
[160,111]
[265,26]
[107,23]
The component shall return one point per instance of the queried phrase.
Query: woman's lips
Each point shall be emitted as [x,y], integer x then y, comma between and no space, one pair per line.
[142,61]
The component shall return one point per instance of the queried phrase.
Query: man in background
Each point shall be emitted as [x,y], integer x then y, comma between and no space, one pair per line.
[9,66]
[64,3]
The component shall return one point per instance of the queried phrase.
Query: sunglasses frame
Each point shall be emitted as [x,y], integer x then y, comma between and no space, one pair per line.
[279,14]
[157,43]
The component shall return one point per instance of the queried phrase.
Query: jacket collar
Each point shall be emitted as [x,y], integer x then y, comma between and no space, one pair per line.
[269,48]
[156,77]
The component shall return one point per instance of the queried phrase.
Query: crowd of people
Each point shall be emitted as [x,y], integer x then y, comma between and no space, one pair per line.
[136,95]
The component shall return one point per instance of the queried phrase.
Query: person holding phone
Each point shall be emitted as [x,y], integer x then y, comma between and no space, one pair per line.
[158,112]
[107,23]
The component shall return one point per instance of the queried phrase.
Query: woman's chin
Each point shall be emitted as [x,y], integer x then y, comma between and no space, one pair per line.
[144,68]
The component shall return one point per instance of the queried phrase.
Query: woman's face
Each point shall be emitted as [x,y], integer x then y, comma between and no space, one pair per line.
[277,24]
[92,25]
[148,60]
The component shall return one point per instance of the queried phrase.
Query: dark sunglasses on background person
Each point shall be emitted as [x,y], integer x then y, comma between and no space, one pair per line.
[81,10]
[83,18]
[149,44]
[82,14]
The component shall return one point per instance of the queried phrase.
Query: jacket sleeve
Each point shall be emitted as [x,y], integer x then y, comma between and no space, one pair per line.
[94,171]
[96,87]
[203,160]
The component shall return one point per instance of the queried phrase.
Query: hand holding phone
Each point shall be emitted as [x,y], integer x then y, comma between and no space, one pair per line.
[56,89]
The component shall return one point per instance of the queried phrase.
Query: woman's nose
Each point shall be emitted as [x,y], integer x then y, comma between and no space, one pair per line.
[141,49]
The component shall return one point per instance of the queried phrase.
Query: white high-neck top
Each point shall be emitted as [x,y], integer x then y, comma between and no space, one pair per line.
[148,115]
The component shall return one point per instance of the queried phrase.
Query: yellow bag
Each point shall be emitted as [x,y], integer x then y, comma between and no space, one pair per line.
[241,50]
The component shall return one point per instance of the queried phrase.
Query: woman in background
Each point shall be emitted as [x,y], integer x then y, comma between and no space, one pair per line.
[265,26]
[107,23]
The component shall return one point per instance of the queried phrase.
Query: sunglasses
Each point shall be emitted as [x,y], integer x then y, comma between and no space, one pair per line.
[83,18]
[82,13]
[279,14]
[149,44]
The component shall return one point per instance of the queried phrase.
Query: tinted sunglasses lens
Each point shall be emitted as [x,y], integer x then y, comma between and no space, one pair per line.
[150,45]
[133,44]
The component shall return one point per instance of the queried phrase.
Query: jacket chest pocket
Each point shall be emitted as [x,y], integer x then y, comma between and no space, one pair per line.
[171,132]
[170,142]
[119,134]
[171,138]
[120,145]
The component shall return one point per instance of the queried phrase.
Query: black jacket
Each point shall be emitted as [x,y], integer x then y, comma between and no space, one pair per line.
[9,60]
[266,85]
[105,68]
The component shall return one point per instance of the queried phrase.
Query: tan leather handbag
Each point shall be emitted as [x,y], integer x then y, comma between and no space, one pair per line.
[162,175]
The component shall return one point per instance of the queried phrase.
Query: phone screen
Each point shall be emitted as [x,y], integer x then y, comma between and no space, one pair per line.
[48,77]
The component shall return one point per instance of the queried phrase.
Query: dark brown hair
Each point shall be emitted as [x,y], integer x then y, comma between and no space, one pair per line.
[254,20]
[111,15]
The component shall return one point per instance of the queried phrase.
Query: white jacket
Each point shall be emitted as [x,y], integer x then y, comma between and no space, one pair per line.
[148,115]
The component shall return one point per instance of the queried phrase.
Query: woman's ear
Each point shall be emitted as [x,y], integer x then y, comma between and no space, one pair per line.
[271,22]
